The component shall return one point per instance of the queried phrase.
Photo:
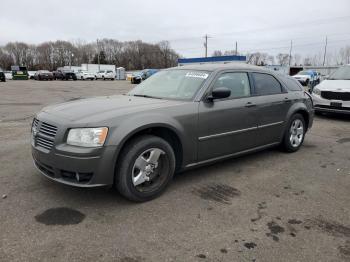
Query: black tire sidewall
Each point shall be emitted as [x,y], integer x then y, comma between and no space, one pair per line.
[128,156]
[286,141]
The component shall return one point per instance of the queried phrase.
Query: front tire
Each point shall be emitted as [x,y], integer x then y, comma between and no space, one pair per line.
[294,134]
[146,167]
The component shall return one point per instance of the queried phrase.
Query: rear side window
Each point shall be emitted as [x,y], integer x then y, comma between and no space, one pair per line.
[266,84]
[238,83]
[292,84]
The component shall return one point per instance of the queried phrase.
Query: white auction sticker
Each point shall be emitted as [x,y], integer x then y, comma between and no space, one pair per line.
[197,75]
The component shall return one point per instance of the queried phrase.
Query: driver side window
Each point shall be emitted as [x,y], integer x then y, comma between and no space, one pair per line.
[237,83]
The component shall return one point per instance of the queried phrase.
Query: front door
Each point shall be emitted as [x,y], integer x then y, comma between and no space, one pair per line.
[227,126]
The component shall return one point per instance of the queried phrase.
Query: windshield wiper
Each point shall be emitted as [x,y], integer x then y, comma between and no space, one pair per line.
[147,96]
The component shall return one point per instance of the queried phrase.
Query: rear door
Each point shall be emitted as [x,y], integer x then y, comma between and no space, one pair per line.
[272,104]
[227,126]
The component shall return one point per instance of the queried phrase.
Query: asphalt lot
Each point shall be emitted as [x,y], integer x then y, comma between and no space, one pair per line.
[269,206]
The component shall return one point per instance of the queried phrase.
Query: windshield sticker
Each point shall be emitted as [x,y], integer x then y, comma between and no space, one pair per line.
[197,75]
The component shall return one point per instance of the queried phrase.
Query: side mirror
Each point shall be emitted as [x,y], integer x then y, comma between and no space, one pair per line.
[219,92]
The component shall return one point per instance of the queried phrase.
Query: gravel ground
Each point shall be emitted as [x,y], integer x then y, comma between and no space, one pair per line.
[268,206]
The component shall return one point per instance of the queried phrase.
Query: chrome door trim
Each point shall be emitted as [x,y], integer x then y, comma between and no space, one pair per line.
[271,124]
[203,138]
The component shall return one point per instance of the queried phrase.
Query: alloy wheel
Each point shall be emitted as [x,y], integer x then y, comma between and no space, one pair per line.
[296,132]
[150,169]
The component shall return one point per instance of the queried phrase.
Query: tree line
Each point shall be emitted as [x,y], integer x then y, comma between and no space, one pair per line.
[338,57]
[132,55]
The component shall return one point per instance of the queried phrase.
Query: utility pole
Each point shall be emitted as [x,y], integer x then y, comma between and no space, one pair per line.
[290,51]
[206,45]
[236,53]
[98,55]
[325,52]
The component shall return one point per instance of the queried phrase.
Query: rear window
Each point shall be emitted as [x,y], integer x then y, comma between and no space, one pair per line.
[266,84]
[292,84]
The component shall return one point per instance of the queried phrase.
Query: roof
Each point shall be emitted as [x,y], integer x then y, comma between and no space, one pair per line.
[216,67]
[212,59]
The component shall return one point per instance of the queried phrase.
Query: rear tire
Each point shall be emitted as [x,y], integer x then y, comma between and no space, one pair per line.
[136,161]
[294,133]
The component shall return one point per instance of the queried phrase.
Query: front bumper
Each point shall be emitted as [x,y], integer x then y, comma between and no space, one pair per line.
[330,106]
[71,165]
[83,169]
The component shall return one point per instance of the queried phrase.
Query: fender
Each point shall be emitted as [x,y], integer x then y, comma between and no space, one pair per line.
[134,124]
[299,106]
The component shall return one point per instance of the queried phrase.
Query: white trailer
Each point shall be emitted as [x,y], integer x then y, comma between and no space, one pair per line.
[74,69]
[95,68]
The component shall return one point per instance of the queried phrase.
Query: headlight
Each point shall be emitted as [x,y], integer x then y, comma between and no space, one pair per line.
[317,91]
[87,137]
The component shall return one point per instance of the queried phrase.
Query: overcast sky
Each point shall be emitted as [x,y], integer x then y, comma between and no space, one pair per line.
[260,25]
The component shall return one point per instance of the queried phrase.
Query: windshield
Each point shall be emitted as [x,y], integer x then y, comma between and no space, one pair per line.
[342,73]
[137,73]
[304,73]
[172,84]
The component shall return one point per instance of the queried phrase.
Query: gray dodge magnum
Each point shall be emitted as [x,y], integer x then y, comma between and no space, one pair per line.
[178,119]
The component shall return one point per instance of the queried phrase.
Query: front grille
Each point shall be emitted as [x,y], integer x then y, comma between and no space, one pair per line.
[43,142]
[344,96]
[76,177]
[47,129]
[43,134]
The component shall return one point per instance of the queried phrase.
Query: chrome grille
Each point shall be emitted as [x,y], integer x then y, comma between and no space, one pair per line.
[43,134]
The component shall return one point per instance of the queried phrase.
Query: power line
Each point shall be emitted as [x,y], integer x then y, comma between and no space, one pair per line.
[325,52]
[290,25]
[206,44]
[290,51]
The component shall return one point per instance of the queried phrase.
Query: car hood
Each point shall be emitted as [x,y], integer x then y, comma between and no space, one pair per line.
[101,108]
[335,85]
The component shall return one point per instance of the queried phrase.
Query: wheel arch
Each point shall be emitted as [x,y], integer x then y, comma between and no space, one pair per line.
[164,131]
[299,108]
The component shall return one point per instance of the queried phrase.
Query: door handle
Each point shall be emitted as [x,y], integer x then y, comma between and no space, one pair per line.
[250,104]
[287,100]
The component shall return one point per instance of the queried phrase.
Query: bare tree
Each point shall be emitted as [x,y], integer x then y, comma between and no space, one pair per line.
[217,53]
[282,59]
[257,58]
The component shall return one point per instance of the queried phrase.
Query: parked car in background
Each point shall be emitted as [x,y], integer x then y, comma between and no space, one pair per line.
[64,74]
[139,76]
[333,93]
[318,77]
[178,119]
[19,72]
[43,75]
[106,74]
[2,76]
[85,75]
[8,75]
[31,74]
[306,77]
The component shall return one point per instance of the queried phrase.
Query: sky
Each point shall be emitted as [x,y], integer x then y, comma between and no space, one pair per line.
[265,25]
